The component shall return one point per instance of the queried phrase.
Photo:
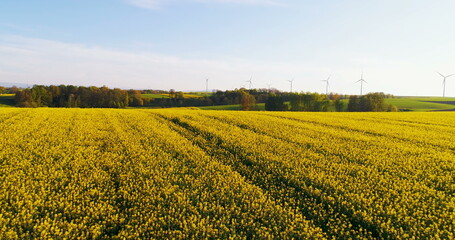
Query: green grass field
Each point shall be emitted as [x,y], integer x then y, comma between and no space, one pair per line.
[6,100]
[422,104]
[197,94]
[185,95]
[150,95]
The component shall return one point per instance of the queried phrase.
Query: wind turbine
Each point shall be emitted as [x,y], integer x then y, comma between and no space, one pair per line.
[444,82]
[361,83]
[250,81]
[206,85]
[269,86]
[327,85]
[291,81]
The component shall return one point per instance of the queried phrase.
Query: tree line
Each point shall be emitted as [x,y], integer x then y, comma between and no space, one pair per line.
[104,97]
[74,96]
[371,102]
[247,99]
[308,102]
[315,102]
[9,90]
[274,100]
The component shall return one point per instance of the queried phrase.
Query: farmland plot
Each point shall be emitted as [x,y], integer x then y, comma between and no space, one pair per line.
[129,174]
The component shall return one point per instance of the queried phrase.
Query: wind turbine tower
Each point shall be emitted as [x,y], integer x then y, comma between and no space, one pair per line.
[361,83]
[327,85]
[291,81]
[250,81]
[444,83]
[206,85]
[269,86]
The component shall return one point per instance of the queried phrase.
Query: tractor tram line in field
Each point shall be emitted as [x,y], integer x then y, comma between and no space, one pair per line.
[196,165]
[448,180]
[303,198]
[254,160]
[376,130]
[440,157]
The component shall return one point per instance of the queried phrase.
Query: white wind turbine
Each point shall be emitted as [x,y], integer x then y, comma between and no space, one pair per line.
[291,81]
[269,86]
[327,84]
[444,83]
[250,81]
[361,83]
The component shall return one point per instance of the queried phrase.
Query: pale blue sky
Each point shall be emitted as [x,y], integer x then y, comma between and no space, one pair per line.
[164,44]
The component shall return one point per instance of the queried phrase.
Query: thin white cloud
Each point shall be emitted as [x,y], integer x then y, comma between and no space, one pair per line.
[155,4]
[40,61]
[149,4]
[249,2]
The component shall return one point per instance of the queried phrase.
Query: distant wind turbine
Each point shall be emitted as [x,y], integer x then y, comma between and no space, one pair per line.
[269,85]
[327,85]
[361,84]
[206,85]
[291,81]
[444,82]
[250,81]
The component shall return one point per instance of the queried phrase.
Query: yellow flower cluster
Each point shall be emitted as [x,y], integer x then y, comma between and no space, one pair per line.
[186,174]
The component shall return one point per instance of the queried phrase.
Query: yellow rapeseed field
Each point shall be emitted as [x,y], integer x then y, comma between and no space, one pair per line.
[190,174]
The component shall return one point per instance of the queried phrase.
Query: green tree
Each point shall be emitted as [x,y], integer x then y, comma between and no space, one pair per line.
[376,102]
[275,103]
[135,98]
[392,108]
[353,105]
[247,101]
[337,102]
[24,99]
[364,104]
[296,102]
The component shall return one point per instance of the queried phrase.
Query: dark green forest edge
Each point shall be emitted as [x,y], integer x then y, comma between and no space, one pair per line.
[239,99]
[69,96]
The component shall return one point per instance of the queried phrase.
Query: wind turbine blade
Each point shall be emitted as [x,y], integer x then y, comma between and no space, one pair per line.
[358,81]
[449,75]
[441,75]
